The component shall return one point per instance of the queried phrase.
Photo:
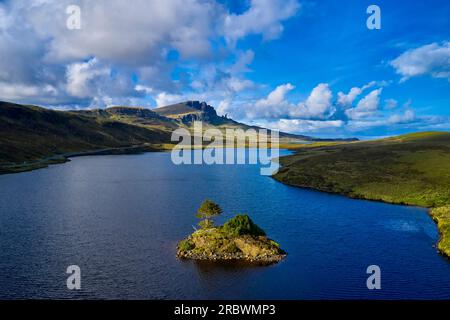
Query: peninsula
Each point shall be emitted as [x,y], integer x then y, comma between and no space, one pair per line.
[411,169]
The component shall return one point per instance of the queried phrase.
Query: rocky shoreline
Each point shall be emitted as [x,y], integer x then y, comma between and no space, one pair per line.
[263,259]
[239,239]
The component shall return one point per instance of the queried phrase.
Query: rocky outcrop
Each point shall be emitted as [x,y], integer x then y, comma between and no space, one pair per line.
[238,239]
[204,113]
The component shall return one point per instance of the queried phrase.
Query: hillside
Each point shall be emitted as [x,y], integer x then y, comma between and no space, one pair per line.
[32,137]
[411,169]
[29,135]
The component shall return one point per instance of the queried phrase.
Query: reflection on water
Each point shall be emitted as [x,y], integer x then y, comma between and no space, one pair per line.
[119,218]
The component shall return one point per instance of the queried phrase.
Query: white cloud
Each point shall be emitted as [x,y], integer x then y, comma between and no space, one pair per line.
[145,89]
[276,97]
[370,102]
[164,99]
[406,117]
[13,91]
[299,125]
[243,61]
[317,114]
[116,31]
[318,105]
[432,59]
[394,121]
[146,39]
[346,100]
[263,17]
[274,105]
[100,83]
[390,104]
[82,76]
[236,84]
[366,107]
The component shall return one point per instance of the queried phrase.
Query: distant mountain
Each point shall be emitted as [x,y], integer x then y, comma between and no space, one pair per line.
[182,114]
[188,112]
[32,136]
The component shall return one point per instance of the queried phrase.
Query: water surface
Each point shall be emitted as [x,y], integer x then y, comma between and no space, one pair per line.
[119,218]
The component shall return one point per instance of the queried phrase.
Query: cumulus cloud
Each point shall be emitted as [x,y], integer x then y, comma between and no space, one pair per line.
[101,82]
[276,105]
[119,32]
[431,59]
[163,52]
[367,106]
[346,100]
[146,41]
[406,117]
[321,113]
[263,17]
[318,105]
[82,76]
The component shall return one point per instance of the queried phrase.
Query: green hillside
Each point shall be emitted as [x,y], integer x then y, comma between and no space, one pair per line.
[32,137]
[411,169]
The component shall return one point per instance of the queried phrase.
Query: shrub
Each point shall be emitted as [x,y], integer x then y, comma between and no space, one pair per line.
[241,225]
[185,245]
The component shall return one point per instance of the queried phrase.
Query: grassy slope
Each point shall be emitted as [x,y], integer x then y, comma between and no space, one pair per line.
[32,137]
[411,169]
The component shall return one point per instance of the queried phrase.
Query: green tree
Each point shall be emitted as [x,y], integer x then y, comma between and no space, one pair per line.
[207,210]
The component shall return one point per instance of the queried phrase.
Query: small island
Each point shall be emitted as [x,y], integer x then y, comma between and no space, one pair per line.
[238,239]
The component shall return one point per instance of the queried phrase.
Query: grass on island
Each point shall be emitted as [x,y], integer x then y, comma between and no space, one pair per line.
[412,169]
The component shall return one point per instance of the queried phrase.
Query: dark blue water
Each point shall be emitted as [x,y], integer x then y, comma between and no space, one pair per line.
[119,218]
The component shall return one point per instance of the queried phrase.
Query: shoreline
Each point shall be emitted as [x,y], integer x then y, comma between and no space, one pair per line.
[139,149]
[65,157]
[429,210]
[232,257]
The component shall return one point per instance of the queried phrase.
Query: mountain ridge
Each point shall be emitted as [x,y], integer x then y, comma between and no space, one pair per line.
[33,136]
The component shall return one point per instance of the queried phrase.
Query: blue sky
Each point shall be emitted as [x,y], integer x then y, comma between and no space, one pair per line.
[303,66]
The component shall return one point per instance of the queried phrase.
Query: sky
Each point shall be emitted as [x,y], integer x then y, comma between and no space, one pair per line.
[300,66]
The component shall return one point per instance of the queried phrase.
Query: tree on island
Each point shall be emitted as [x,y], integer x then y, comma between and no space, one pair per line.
[207,210]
